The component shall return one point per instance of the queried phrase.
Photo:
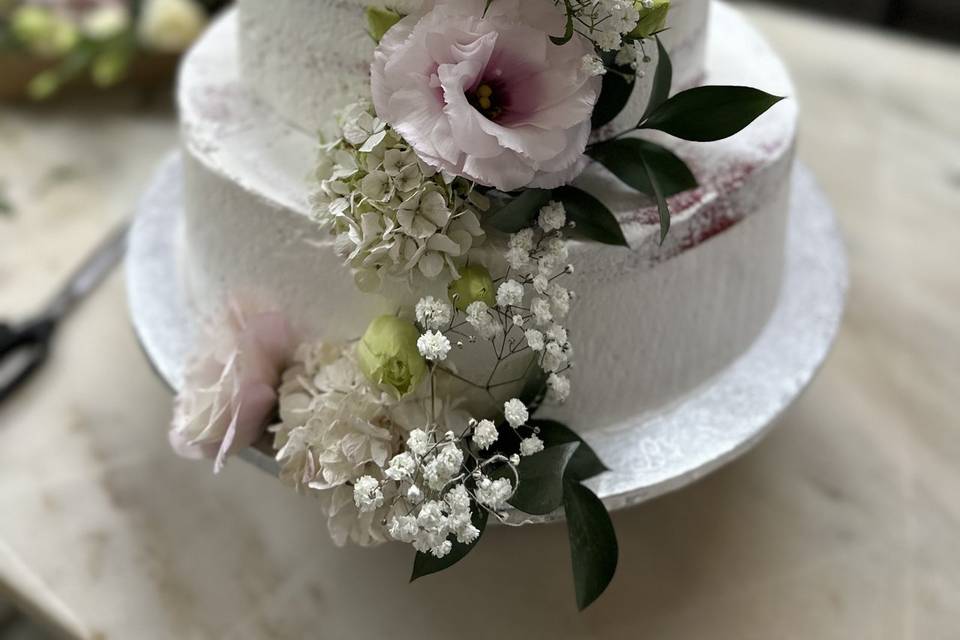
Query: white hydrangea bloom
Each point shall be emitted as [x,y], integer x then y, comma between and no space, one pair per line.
[510,294]
[530,446]
[391,213]
[433,346]
[433,314]
[335,429]
[515,412]
[484,434]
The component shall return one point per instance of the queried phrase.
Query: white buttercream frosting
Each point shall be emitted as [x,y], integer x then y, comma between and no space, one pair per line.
[651,323]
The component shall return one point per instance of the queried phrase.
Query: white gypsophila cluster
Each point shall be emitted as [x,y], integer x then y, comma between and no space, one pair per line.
[530,305]
[433,491]
[605,22]
[335,428]
[392,214]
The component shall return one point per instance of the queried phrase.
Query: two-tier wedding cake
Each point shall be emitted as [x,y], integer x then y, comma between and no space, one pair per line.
[434,245]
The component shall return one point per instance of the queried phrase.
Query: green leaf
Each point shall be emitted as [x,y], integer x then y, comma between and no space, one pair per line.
[568,30]
[706,114]
[379,21]
[593,543]
[425,564]
[594,220]
[519,212]
[662,81]
[615,92]
[624,158]
[540,490]
[659,197]
[584,464]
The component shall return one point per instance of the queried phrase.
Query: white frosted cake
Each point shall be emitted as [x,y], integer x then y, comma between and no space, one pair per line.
[450,262]
[652,322]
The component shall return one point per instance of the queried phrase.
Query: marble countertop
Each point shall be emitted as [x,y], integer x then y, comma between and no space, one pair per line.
[841,524]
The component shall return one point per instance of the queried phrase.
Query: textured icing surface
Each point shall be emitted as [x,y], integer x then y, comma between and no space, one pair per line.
[651,323]
[308,58]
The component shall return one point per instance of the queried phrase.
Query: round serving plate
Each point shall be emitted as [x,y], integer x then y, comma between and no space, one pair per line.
[649,456]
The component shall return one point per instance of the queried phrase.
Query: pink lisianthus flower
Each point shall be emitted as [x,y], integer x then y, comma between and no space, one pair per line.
[230,389]
[488,96]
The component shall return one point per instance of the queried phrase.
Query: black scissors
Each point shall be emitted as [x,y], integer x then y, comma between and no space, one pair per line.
[24,347]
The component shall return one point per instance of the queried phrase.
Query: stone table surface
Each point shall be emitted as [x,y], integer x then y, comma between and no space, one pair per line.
[842,524]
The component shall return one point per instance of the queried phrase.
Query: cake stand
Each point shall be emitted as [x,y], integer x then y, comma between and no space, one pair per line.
[649,455]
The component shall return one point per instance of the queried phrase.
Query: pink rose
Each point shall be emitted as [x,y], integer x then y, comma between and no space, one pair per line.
[490,98]
[230,390]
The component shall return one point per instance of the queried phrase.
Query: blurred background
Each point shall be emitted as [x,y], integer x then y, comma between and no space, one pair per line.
[86,113]
[935,18]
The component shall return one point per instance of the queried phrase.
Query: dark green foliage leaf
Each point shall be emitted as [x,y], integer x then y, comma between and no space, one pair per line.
[568,30]
[593,543]
[618,84]
[540,490]
[662,81]
[519,211]
[706,114]
[584,464]
[624,158]
[594,220]
[659,197]
[425,564]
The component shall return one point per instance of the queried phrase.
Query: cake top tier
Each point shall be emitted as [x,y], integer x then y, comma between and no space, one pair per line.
[308,59]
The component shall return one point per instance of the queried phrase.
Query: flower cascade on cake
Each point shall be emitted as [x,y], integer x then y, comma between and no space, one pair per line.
[458,183]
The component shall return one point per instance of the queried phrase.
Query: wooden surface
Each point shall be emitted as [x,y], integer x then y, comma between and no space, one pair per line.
[842,524]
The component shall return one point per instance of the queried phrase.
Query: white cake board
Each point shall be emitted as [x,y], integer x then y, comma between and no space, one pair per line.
[649,456]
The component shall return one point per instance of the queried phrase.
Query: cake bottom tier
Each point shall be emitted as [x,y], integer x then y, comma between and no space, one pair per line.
[651,323]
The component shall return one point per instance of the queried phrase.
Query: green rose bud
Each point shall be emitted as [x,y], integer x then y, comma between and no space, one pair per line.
[379,22]
[653,18]
[474,284]
[389,357]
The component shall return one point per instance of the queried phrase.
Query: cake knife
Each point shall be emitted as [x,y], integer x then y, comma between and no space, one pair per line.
[24,347]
